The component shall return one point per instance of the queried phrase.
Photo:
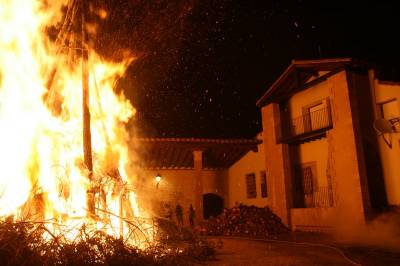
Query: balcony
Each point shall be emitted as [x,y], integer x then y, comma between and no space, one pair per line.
[306,127]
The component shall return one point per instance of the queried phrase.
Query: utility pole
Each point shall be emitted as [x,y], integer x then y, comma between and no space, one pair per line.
[87,141]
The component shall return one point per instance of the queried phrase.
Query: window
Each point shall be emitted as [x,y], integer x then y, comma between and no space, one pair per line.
[251,186]
[263,182]
[305,185]
[307,180]
[316,115]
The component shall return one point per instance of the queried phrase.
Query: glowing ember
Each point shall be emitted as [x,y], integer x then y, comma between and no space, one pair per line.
[42,170]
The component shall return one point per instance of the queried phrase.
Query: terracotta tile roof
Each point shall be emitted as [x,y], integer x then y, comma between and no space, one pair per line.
[177,153]
[201,140]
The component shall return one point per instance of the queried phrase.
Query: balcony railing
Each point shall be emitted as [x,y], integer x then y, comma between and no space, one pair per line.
[312,122]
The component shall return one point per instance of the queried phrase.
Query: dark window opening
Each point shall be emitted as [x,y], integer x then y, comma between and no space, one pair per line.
[264,188]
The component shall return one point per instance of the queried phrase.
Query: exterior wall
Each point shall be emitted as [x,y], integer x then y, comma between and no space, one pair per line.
[338,155]
[177,186]
[308,96]
[277,163]
[344,156]
[252,162]
[316,151]
[390,157]
[215,181]
[311,152]
[313,219]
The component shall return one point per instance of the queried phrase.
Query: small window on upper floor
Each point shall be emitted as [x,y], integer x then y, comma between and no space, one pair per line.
[316,115]
[251,187]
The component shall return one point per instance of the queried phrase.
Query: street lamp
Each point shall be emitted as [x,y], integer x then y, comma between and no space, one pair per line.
[158,180]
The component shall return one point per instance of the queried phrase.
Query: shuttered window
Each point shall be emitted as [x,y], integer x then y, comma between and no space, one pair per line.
[251,187]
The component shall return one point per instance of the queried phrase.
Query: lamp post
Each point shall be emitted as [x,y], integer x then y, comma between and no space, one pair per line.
[158,180]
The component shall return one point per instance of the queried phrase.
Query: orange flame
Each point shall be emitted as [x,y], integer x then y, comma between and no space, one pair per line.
[42,174]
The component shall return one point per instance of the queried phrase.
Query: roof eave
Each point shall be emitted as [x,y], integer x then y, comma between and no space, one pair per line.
[298,64]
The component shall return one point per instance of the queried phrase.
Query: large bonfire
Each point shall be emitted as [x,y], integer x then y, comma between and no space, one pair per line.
[44,176]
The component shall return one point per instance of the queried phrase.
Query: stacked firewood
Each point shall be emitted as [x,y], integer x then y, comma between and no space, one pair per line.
[245,221]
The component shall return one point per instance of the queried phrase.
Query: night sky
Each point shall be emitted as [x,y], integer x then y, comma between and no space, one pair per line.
[203,64]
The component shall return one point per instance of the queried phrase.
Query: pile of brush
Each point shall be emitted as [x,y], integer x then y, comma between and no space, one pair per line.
[245,221]
[22,243]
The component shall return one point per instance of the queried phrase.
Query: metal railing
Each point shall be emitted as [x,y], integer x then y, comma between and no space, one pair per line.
[308,123]
[321,197]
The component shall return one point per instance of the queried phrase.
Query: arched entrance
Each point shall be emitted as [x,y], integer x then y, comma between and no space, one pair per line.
[212,205]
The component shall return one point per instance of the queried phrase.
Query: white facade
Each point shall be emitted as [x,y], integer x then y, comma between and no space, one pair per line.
[388,102]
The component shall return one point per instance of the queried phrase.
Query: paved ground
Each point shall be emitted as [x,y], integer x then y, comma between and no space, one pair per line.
[236,252]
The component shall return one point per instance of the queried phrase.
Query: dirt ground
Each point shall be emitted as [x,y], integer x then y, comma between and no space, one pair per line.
[284,252]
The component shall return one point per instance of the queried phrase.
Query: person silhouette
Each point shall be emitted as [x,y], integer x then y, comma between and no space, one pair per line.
[179,214]
[191,215]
